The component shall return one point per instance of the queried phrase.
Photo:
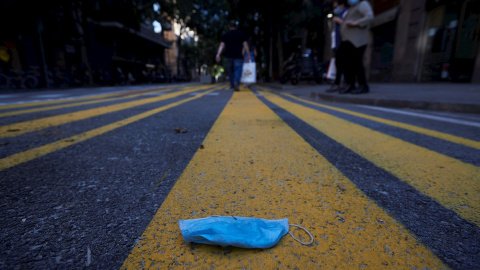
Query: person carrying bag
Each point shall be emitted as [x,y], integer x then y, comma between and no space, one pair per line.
[249,70]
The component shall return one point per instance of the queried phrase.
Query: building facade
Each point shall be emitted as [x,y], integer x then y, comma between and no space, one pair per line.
[67,46]
[424,41]
[437,41]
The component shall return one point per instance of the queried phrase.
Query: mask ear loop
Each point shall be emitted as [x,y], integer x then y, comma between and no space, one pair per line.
[306,244]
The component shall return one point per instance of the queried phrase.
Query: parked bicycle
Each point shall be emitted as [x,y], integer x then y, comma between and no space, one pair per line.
[19,79]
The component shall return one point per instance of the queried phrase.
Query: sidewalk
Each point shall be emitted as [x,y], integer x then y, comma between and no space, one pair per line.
[452,97]
[444,96]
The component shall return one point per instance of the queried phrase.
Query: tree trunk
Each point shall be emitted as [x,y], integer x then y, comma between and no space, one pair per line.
[304,40]
[280,50]
[77,15]
[307,4]
[270,53]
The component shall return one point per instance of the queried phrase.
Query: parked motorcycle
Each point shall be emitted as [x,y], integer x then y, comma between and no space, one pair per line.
[302,67]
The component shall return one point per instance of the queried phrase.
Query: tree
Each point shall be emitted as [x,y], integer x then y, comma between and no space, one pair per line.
[275,33]
[201,23]
[298,25]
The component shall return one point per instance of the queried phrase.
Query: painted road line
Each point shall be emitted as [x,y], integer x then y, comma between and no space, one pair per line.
[413,209]
[426,116]
[38,124]
[88,97]
[253,164]
[9,96]
[420,130]
[68,105]
[453,183]
[455,150]
[50,96]
[31,154]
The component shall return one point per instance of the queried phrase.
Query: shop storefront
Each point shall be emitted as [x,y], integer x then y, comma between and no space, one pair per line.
[453,34]
[383,29]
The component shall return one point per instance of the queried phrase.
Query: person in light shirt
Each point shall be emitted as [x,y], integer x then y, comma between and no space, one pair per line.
[355,37]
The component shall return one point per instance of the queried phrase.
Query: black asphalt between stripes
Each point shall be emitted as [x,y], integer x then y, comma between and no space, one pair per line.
[10,120]
[457,151]
[44,136]
[101,193]
[72,107]
[455,240]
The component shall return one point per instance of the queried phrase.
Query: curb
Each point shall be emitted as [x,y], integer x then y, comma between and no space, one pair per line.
[410,104]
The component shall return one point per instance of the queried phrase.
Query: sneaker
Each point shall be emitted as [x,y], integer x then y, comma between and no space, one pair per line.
[333,88]
[347,89]
[361,90]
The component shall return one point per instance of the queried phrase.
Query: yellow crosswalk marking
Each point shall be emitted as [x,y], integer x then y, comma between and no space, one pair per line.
[31,154]
[77,103]
[50,102]
[38,124]
[451,182]
[253,164]
[428,132]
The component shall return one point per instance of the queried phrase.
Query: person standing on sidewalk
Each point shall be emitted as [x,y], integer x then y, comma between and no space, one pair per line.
[233,41]
[339,10]
[355,37]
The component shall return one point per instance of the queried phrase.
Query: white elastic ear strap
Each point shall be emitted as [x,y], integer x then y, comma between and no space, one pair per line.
[311,237]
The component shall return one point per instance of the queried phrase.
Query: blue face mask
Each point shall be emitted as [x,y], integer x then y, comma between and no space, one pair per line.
[353,2]
[337,10]
[241,232]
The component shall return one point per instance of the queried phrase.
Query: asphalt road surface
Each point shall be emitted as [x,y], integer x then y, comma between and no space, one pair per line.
[98,179]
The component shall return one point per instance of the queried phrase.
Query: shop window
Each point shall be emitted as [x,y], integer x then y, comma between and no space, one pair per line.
[468,37]
[443,37]
[453,40]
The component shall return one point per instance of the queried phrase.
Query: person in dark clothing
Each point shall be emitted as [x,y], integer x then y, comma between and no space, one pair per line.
[340,9]
[233,41]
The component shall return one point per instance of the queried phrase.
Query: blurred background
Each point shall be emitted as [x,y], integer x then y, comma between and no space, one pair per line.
[86,43]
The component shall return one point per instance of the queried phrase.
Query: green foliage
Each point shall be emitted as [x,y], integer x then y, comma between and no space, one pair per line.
[295,16]
[206,18]
[216,70]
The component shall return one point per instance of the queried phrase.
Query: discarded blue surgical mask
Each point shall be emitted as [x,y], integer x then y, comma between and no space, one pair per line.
[241,232]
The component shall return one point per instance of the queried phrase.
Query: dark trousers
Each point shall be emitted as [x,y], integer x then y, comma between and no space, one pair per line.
[234,67]
[352,61]
[338,65]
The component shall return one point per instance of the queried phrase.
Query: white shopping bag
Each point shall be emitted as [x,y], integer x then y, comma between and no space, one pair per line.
[332,70]
[249,73]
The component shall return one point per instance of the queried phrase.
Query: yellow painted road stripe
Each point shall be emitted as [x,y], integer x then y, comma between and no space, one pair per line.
[63,100]
[253,164]
[38,124]
[73,104]
[31,154]
[451,182]
[424,131]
